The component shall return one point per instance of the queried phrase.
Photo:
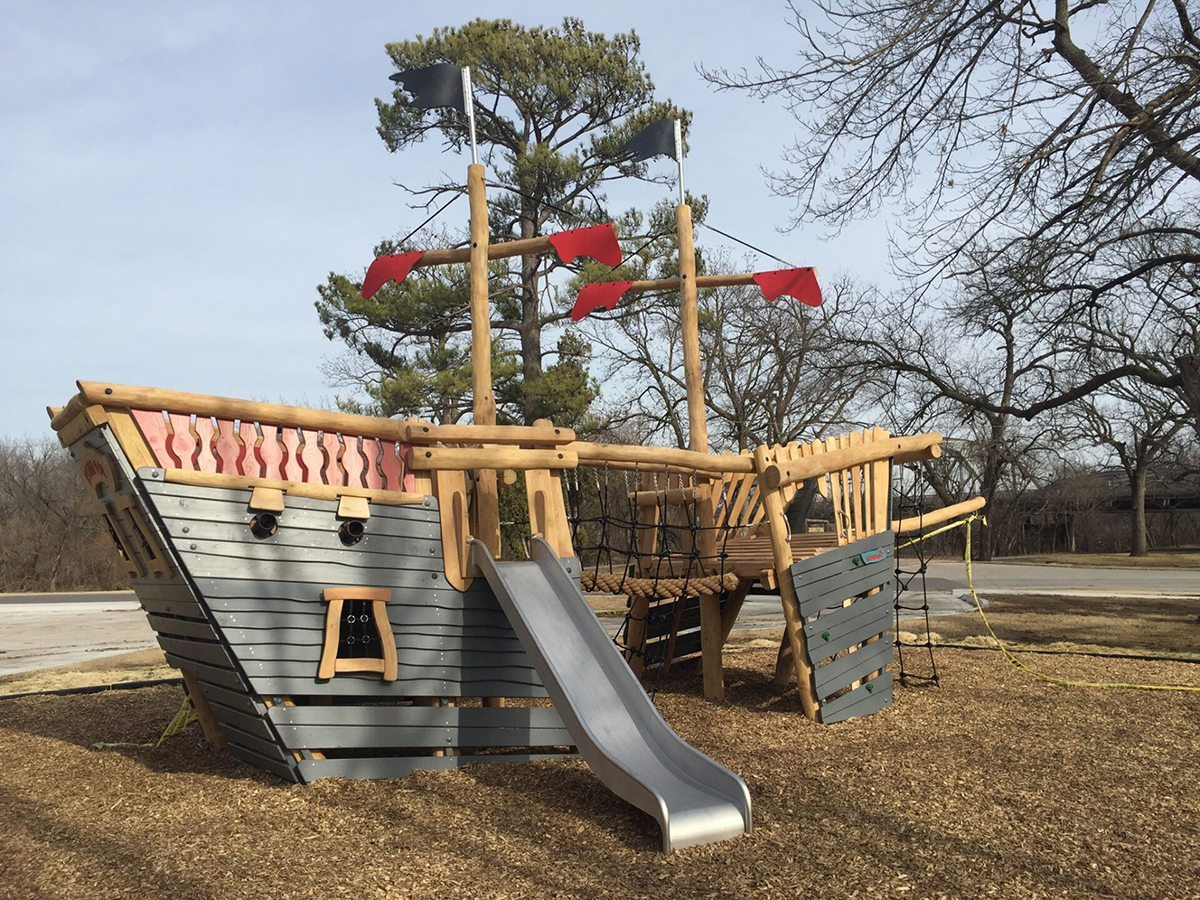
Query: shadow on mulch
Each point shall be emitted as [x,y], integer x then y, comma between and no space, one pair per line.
[134,717]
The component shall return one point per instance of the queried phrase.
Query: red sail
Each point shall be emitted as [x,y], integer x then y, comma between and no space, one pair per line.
[389,268]
[601,295]
[599,242]
[798,283]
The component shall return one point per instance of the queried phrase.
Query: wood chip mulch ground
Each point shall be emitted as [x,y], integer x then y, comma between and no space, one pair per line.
[994,784]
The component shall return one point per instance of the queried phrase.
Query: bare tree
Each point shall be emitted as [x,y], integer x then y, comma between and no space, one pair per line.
[1139,426]
[53,539]
[1063,134]
[773,372]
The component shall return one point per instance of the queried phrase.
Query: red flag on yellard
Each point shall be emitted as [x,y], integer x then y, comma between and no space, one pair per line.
[600,295]
[598,241]
[389,268]
[798,283]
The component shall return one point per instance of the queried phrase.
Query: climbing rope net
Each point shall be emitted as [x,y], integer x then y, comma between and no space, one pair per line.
[640,533]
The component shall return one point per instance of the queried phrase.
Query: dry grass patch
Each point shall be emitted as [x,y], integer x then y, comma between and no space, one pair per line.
[141,665]
[1180,558]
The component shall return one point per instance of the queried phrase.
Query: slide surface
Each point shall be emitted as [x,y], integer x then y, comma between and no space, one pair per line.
[614,724]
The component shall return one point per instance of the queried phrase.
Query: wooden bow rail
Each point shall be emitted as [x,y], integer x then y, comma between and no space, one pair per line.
[902,449]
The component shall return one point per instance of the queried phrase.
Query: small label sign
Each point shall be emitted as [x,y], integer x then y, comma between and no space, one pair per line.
[871,556]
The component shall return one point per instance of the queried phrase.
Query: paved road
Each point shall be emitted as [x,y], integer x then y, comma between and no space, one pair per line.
[43,630]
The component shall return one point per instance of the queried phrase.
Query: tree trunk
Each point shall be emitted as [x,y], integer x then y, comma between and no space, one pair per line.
[1189,372]
[1137,513]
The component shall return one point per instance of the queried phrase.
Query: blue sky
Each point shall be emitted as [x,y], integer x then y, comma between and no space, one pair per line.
[176,180]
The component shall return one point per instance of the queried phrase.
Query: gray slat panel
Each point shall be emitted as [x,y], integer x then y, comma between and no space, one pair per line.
[434,638]
[425,593]
[349,573]
[186,608]
[200,651]
[285,631]
[252,725]
[162,589]
[246,703]
[289,613]
[401,767]
[269,749]
[819,649]
[839,556]
[219,504]
[285,770]
[407,656]
[222,677]
[261,553]
[537,717]
[833,591]
[364,737]
[836,617]
[288,669]
[837,674]
[187,628]
[860,701]
[685,645]
[207,535]
[351,686]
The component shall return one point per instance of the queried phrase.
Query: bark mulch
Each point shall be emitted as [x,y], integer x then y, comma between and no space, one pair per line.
[995,784]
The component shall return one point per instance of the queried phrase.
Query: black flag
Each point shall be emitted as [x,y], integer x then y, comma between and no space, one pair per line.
[656,139]
[434,86]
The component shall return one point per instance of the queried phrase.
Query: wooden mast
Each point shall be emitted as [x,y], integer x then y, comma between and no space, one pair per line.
[711,633]
[487,500]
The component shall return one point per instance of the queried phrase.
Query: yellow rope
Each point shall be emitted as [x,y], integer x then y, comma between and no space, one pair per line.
[1008,654]
[185,717]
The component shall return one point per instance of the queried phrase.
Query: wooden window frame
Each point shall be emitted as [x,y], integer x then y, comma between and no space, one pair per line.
[330,664]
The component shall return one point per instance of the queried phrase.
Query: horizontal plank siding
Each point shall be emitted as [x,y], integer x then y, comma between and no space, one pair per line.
[285,769]
[182,628]
[226,678]
[867,698]
[401,767]
[208,652]
[835,675]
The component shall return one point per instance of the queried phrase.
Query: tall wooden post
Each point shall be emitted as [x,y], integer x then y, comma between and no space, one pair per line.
[781,550]
[487,500]
[693,375]
[689,324]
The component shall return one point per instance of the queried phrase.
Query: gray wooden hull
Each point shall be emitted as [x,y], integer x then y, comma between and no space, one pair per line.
[245,616]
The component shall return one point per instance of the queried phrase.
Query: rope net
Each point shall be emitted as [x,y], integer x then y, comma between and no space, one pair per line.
[642,533]
[912,594]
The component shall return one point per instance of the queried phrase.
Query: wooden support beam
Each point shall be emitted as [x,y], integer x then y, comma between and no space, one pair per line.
[503,250]
[733,606]
[460,458]
[938,516]
[672,497]
[772,500]
[711,641]
[689,326]
[635,635]
[208,720]
[793,471]
[659,458]
[487,496]
[479,433]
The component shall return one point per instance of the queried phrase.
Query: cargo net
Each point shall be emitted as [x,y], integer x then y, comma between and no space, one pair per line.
[912,594]
[641,533]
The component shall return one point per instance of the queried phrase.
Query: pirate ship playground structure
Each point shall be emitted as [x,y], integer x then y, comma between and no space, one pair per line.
[337,595]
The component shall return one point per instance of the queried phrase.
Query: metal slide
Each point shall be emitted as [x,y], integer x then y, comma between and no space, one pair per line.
[613,723]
